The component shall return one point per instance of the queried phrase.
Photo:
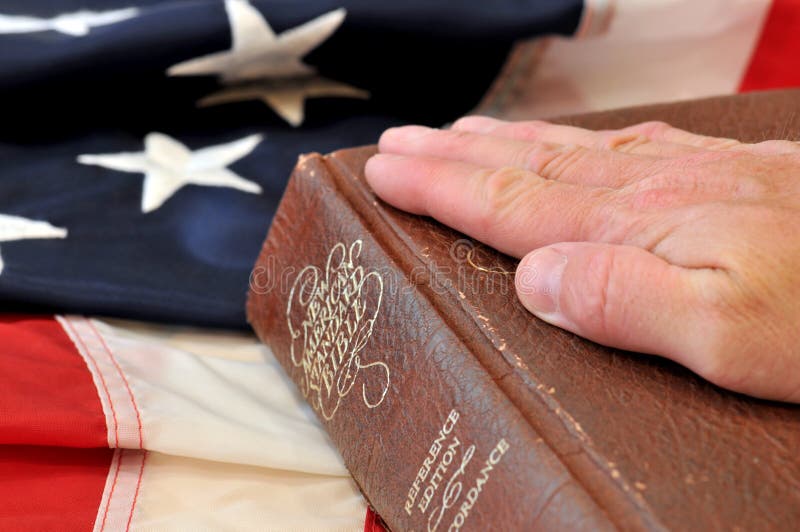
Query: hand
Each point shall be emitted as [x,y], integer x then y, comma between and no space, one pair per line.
[648,238]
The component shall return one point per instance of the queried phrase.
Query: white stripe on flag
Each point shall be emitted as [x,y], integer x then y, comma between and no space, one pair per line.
[653,51]
[229,439]
[121,492]
[123,418]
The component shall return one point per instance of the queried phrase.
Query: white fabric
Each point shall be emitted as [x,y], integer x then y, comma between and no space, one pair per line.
[188,494]
[195,400]
[287,98]
[121,410]
[264,66]
[168,165]
[652,51]
[256,52]
[19,228]
[230,443]
[121,493]
[76,24]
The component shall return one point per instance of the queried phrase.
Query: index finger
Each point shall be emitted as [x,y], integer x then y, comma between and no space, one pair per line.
[510,209]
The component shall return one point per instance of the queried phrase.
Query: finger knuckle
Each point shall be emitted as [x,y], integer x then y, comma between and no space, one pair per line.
[499,190]
[651,128]
[553,162]
[623,142]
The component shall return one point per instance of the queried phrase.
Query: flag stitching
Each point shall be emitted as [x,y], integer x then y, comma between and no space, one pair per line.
[136,493]
[111,492]
[84,349]
[124,380]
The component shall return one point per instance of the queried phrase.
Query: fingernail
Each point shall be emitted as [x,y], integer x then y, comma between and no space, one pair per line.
[538,280]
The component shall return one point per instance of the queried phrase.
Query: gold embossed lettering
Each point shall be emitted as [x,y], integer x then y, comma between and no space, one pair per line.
[438,475]
[452,491]
[422,474]
[472,495]
[330,315]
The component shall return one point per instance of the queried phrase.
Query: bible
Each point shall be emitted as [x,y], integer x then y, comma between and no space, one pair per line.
[455,409]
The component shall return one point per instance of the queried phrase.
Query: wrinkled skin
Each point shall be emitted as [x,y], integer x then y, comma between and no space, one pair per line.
[648,238]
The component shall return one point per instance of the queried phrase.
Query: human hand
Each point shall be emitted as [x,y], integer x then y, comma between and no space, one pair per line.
[648,238]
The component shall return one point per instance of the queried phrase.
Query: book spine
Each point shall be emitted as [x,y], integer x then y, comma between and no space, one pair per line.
[429,437]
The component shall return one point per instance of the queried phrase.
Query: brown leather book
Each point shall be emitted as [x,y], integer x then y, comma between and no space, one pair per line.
[455,409]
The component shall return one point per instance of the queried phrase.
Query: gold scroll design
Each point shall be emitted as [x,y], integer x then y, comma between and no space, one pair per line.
[331,315]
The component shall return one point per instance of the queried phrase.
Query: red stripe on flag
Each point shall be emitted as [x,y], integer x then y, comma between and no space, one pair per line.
[51,488]
[47,396]
[776,60]
[373,522]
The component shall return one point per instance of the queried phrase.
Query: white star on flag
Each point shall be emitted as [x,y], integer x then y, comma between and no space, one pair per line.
[257,54]
[286,97]
[77,23]
[168,165]
[19,228]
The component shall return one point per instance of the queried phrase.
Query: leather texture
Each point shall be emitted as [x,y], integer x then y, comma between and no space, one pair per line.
[551,431]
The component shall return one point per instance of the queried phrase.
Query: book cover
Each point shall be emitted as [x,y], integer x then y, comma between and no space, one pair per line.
[455,409]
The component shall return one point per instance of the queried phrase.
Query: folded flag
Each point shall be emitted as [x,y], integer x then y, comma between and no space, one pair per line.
[146,143]
[128,426]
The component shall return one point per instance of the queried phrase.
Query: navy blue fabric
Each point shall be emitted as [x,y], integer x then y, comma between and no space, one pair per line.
[425,61]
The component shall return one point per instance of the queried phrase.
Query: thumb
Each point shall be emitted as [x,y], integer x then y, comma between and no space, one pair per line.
[620,296]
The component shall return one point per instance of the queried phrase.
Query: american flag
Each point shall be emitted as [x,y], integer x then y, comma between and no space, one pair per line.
[145,145]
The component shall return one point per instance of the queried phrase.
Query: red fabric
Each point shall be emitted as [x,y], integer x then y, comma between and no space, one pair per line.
[373,522]
[51,488]
[47,395]
[776,60]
